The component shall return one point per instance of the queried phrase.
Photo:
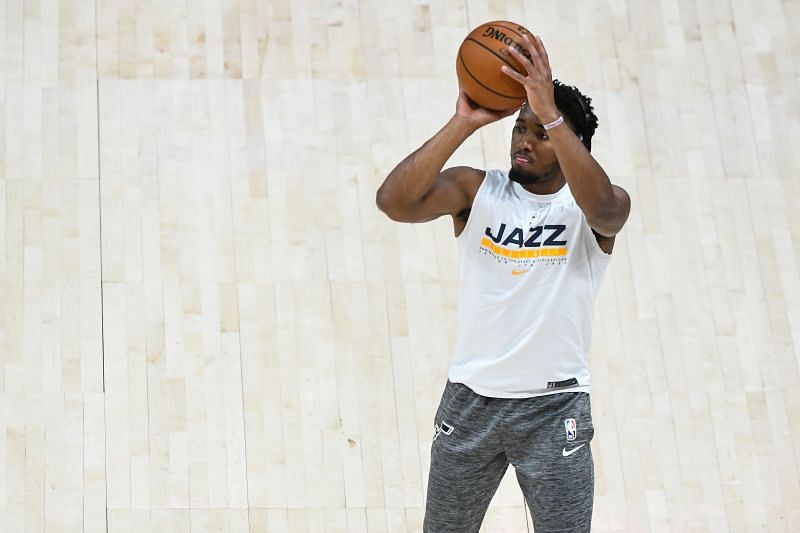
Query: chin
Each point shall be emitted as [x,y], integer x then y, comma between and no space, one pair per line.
[521,177]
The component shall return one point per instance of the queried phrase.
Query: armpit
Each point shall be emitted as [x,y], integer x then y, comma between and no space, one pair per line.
[605,243]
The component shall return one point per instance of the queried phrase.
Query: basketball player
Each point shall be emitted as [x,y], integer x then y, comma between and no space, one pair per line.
[534,243]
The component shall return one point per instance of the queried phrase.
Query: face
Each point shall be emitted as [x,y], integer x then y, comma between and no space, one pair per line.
[532,158]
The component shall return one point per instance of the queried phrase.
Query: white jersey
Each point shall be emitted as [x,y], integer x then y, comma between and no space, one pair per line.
[530,270]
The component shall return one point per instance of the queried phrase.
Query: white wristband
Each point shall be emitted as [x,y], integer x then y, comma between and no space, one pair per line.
[556,122]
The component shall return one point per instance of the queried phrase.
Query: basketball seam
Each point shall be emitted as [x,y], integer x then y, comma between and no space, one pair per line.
[501,24]
[482,85]
[498,56]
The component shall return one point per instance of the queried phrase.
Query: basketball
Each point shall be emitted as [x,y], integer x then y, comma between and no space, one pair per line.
[480,57]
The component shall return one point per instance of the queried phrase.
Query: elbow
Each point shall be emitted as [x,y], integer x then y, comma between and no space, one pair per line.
[388,206]
[607,220]
[604,227]
[383,200]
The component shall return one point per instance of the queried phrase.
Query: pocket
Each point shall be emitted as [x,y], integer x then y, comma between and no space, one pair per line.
[586,415]
[448,396]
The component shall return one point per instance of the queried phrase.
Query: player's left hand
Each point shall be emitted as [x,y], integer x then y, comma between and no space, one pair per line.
[539,81]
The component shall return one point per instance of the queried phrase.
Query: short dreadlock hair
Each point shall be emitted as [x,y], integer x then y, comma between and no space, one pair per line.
[577,109]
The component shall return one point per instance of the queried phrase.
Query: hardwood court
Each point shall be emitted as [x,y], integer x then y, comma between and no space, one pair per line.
[206,324]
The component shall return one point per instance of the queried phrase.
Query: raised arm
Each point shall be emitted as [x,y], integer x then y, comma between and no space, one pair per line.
[417,190]
[605,206]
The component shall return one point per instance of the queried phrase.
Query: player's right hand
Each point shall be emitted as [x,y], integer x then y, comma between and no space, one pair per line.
[478,116]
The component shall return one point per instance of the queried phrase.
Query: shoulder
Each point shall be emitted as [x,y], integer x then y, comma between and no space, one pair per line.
[605,243]
[467,179]
[623,202]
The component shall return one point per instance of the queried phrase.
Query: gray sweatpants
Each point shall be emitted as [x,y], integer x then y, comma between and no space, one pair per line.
[546,438]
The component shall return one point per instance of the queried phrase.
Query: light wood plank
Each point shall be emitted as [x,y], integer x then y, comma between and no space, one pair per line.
[206,324]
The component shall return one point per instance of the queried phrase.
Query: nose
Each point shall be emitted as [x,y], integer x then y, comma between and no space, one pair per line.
[527,142]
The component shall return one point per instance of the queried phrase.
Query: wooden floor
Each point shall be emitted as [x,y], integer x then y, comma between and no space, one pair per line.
[206,324]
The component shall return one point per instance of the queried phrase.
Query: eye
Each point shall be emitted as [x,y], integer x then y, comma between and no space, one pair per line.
[543,136]
[519,129]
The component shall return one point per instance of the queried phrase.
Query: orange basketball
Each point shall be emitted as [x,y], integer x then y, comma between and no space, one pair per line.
[478,64]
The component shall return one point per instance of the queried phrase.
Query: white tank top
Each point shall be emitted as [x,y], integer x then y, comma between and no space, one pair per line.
[530,270]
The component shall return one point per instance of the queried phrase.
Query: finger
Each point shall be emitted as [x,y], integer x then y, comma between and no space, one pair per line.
[542,53]
[508,71]
[522,60]
[541,49]
[467,100]
[535,56]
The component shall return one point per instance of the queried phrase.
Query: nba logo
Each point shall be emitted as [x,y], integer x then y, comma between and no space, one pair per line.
[572,428]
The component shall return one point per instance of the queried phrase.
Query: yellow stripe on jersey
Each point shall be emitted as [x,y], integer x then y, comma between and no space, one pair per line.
[523,253]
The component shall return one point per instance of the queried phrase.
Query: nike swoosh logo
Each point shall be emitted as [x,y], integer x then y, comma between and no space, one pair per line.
[518,272]
[566,453]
